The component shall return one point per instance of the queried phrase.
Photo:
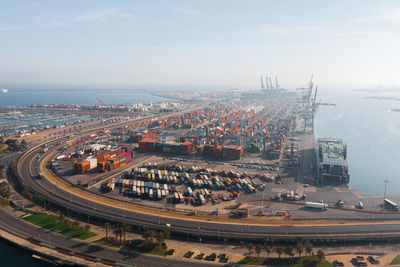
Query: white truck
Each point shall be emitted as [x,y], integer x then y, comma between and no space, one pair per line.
[316,205]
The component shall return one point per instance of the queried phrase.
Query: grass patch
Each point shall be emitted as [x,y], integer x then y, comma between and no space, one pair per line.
[110,242]
[395,260]
[64,226]
[157,251]
[293,262]
[253,261]
[79,234]
[4,202]
[43,220]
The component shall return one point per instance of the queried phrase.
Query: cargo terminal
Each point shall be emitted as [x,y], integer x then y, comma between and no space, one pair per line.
[243,155]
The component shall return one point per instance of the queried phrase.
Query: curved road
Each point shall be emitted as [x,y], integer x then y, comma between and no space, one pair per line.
[28,166]
[26,230]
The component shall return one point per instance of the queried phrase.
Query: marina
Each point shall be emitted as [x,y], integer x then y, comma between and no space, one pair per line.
[27,123]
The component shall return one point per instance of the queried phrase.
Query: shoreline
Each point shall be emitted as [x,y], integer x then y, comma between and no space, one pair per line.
[51,255]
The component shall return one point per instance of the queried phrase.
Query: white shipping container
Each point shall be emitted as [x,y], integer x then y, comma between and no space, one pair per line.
[92,163]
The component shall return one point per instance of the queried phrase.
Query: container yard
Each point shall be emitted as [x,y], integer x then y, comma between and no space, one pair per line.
[217,154]
[250,156]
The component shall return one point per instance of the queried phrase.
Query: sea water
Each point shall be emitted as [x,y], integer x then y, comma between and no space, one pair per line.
[372,133]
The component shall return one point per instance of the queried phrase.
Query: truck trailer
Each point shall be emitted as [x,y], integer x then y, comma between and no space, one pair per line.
[316,205]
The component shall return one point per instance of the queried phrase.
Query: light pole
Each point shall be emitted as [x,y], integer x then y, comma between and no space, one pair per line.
[49,243]
[384,195]
[263,198]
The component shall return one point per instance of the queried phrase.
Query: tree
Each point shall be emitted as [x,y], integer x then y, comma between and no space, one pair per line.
[107,227]
[309,249]
[116,232]
[258,249]
[289,251]
[23,145]
[87,227]
[4,189]
[320,254]
[267,241]
[75,225]
[125,228]
[299,249]
[279,250]
[250,248]
[120,233]
[268,249]
[61,218]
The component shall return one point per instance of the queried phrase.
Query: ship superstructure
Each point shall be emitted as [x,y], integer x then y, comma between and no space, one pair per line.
[332,161]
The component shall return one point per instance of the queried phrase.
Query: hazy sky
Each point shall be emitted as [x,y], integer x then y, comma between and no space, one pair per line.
[200,42]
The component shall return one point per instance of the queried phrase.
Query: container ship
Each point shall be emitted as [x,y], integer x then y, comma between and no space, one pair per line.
[332,162]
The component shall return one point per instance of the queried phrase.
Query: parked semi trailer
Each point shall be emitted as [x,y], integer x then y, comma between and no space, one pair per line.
[316,205]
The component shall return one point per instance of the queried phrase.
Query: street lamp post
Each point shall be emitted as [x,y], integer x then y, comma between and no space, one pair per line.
[384,195]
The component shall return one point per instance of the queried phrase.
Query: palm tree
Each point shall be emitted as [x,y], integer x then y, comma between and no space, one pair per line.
[267,240]
[320,254]
[258,249]
[120,233]
[309,249]
[125,228]
[250,248]
[268,249]
[116,232]
[299,249]
[167,234]
[107,227]
[279,250]
[289,250]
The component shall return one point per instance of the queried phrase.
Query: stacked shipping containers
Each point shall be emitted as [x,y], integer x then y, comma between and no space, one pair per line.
[232,152]
[82,167]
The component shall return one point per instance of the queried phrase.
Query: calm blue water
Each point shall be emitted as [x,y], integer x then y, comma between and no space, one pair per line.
[13,256]
[372,133]
[17,97]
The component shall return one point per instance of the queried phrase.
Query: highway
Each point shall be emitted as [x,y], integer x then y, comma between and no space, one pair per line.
[26,230]
[96,207]
[27,169]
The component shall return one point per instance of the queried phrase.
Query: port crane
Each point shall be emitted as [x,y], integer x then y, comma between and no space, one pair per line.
[309,103]
[268,83]
[314,108]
